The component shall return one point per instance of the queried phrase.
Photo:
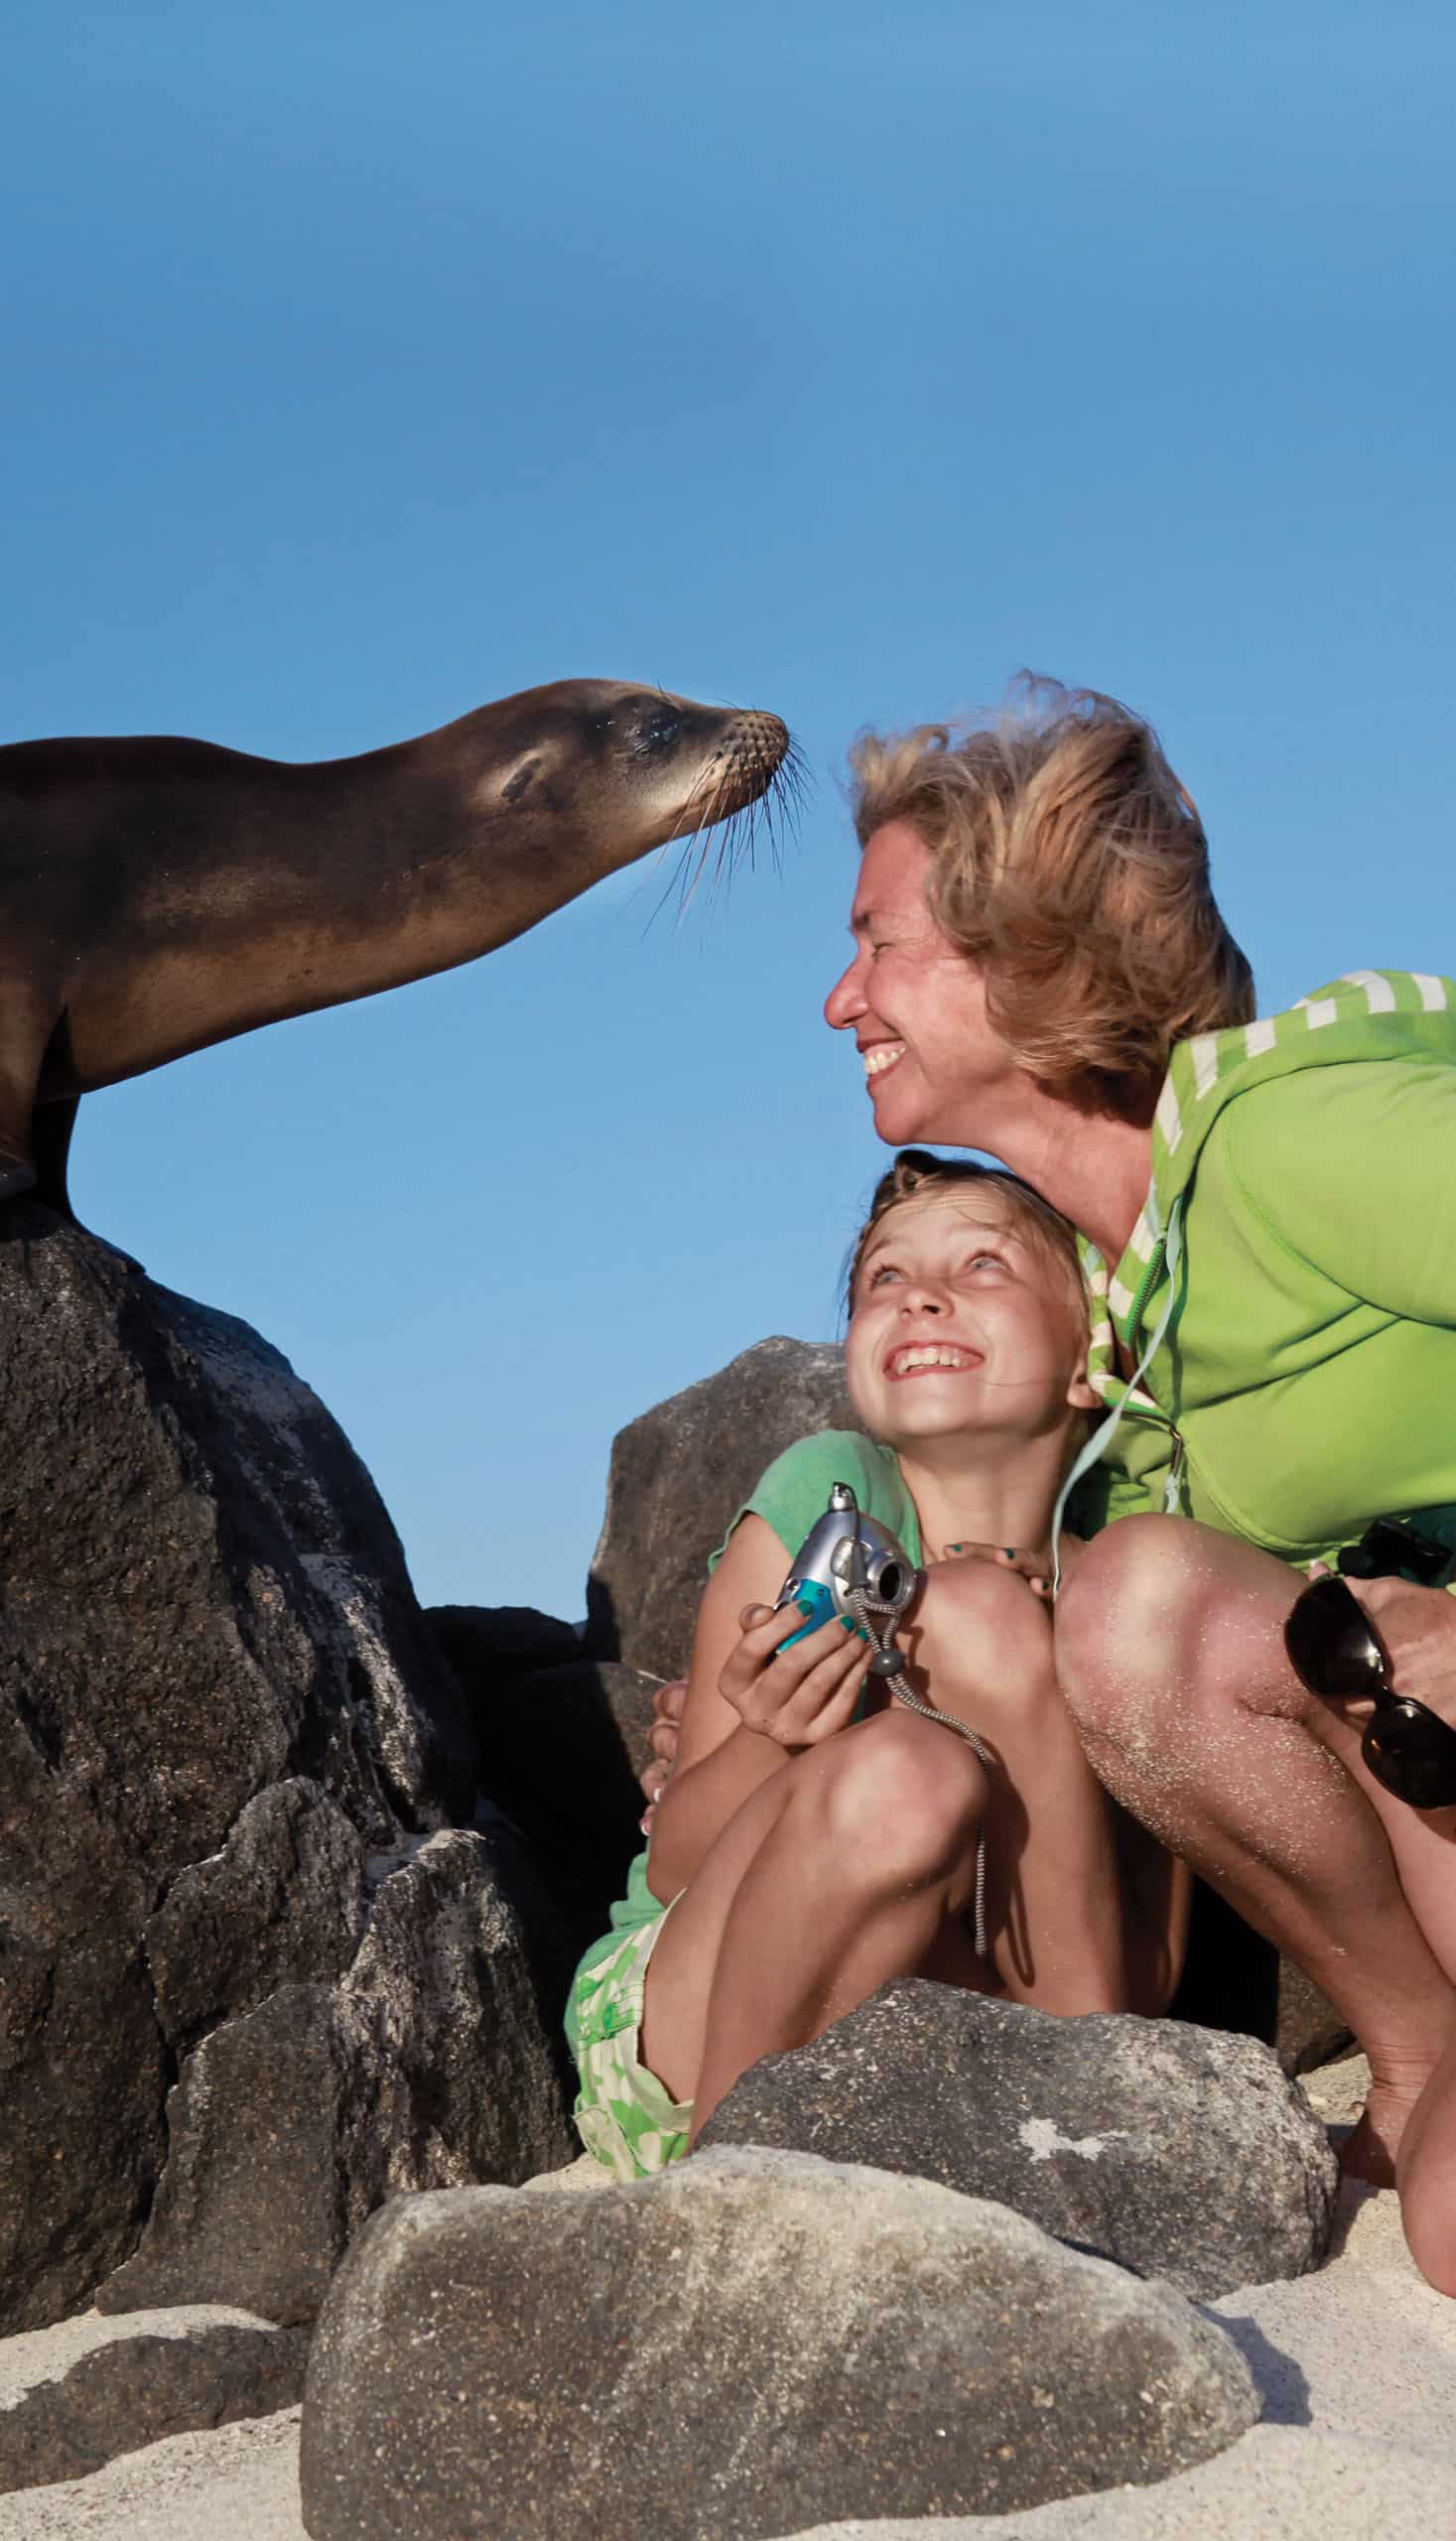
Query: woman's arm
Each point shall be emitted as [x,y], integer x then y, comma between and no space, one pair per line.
[749,1706]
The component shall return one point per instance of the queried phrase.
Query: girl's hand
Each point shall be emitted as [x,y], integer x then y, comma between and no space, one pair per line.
[1007,1558]
[667,1719]
[1419,1629]
[798,1696]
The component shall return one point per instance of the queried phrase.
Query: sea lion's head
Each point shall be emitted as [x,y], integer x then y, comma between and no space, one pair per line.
[611,770]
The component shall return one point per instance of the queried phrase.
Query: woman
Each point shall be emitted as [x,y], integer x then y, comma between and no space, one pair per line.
[1040,971]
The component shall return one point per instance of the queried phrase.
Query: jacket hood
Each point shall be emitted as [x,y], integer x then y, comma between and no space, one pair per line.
[1366,1014]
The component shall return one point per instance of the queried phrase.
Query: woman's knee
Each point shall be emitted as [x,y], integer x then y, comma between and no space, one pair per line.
[896,1801]
[1163,1622]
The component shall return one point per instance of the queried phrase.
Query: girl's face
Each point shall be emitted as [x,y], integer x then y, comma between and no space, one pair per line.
[962,1321]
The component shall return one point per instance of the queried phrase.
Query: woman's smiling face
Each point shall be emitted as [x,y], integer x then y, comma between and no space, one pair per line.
[915,1004]
[962,1320]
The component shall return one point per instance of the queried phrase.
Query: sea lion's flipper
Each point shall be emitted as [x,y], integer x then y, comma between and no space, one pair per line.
[22,1047]
[51,1127]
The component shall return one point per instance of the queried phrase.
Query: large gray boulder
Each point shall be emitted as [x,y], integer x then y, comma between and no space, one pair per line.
[219,1703]
[678,1475]
[752,2343]
[1181,2152]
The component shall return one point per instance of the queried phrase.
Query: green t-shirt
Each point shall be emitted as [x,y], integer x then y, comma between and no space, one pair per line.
[794,1493]
[790,1497]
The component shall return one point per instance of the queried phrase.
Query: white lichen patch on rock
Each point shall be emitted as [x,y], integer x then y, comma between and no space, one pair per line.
[1042,2137]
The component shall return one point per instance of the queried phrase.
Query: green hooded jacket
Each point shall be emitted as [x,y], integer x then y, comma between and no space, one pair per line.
[1289,1292]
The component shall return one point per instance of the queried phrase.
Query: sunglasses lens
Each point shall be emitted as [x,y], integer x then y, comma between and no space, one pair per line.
[1412,1753]
[1332,1648]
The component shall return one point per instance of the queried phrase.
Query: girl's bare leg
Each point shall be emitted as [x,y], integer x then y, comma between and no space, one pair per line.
[1169,1642]
[854,1865]
[1065,1930]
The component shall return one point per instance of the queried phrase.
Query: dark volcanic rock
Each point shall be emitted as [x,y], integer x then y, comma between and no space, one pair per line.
[426,2067]
[1181,2152]
[560,1740]
[677,1477]
[558,1755]
[753,2343]
[490,1649]
[215,1688]
[250,2209]
[281,1904]
[119,2387]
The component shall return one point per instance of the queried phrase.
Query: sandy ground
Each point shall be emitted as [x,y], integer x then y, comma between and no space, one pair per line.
[1358,2367]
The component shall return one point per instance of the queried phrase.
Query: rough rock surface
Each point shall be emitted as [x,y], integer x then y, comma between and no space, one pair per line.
[282,1902]
[427,2067]
[750,2343]
[1181,2152]
[1308,2031]
[677,1476]
[73,2398]
[217,1695]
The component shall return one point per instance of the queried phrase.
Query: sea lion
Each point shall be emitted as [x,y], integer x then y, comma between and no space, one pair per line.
[157,896]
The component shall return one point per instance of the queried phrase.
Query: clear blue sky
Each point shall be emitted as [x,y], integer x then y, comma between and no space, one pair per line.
[365,363]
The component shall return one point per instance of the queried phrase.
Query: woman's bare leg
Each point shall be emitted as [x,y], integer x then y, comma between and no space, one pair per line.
[852,1866]
[1064,1928]
[1171,1650]
[1428,2178]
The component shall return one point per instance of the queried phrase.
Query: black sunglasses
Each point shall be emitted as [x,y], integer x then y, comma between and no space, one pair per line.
[1335,1650]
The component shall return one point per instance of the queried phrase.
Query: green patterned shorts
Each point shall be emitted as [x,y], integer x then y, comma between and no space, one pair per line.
[623,2113]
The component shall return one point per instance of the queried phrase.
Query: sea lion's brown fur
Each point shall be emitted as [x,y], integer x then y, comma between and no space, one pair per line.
[157,896]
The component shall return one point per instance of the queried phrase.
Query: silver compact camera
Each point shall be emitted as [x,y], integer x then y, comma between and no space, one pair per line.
[847,1554]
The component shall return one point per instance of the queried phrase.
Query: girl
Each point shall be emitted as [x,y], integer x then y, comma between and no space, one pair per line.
[818,1839]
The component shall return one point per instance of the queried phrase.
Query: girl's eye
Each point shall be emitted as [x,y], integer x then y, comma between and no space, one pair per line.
[978,1260]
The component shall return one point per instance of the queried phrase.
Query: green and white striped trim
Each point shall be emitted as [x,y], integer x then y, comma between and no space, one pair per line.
[1199,1065]
[1393,1004]
[1101,1370]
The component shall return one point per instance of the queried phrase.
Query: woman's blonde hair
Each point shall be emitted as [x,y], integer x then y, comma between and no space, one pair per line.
[1071,867]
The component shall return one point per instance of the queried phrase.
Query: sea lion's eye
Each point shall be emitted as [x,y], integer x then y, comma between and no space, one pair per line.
[659,728]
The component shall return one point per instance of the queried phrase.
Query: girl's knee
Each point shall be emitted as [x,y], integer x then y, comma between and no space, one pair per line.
[897,1801]
[976,1625]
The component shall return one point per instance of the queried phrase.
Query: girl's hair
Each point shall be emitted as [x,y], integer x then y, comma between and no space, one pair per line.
[917,1174]
[1071,866]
